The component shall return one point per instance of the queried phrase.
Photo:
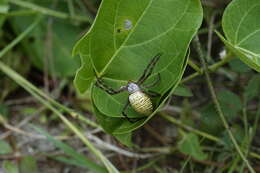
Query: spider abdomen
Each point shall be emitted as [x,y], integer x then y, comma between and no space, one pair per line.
[141,103]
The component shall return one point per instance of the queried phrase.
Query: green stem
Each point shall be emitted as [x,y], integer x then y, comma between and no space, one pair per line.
[194,66]
[49,12]
[211,68]
[20,13]
[217,104]
[20,37]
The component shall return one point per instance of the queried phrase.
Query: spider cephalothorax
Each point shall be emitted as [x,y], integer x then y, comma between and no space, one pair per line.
[138,98]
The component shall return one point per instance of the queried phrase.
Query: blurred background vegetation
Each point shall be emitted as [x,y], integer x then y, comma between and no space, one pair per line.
[186,136]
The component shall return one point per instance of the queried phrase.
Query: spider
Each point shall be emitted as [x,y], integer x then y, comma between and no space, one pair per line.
[138,98]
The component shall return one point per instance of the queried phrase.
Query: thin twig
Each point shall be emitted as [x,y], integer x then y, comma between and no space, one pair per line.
[22,123]
[108,146]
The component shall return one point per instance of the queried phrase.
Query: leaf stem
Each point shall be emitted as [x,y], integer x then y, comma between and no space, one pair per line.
[211,68]
[216,102]
[194,66]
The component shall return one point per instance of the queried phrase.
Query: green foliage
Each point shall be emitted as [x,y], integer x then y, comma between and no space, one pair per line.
[10,167]
[124,37]
[241,27]
[5,148]
[230,104]
[252,90]
[122,50]
[190,145]
[238,66]
[50,44]
[125,139]
[182,90]
[28,164]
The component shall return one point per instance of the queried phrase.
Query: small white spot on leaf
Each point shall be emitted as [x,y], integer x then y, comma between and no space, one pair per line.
[128,24]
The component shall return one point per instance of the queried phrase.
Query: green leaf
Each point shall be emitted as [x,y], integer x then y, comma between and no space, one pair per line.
[123,56]
[84,75]
[241,26]
[238,66]
[239,134]
[121,47]
[10,167]
[210,121]
[230,103]
[182,90]
[5,148]
[190,145]
[253,88]
[125,139]
[28,164]
[116,126]
[120,125]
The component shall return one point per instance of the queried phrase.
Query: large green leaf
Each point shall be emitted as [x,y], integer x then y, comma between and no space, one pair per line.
[125,36]
[119,125]
[241,26]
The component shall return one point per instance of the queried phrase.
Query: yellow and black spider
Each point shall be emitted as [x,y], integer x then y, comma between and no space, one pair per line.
[138,98]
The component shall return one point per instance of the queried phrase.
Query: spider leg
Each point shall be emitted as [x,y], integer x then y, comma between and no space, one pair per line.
[154,82]
[100,83]
[148,70]
[124,113]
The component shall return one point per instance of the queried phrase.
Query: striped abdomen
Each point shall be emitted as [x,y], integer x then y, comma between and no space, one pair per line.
[141,103]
